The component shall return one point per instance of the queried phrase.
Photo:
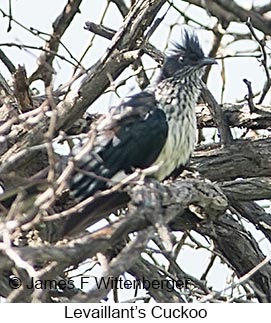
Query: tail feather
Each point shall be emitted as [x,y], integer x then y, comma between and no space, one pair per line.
[95,211]
[99,167]
[84,185]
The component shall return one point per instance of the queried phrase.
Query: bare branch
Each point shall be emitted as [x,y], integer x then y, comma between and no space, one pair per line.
[250,96]
[218,115]
[238,115]
[62,22]
[10,66]
[244,158]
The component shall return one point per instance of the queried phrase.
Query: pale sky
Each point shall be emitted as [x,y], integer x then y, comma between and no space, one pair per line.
[41,17]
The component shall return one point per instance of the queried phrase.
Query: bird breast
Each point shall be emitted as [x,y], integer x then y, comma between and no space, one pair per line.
[179,108]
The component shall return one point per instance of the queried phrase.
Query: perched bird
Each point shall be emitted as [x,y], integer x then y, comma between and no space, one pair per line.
[154,127]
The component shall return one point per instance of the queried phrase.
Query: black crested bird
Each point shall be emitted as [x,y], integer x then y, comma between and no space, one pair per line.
[154,127]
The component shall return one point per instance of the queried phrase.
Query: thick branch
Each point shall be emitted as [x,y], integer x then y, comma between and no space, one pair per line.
[243,158]
[255,214]
[260,22]
[238,115]
[218,116]
[228,11]
[248,189]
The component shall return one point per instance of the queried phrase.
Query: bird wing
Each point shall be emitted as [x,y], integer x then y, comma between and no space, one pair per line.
[130,136]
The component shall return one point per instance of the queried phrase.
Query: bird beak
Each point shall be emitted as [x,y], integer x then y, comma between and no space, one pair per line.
[207,61]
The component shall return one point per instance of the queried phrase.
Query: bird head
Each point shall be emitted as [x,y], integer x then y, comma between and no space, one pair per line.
[186,57]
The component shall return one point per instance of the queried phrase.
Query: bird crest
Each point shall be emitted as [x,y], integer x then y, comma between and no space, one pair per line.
[188,47]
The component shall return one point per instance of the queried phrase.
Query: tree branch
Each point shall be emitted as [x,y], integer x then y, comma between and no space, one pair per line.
[243,158]
[237,115]
[62,22]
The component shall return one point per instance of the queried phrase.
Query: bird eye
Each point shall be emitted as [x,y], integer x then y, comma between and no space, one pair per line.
[181,58]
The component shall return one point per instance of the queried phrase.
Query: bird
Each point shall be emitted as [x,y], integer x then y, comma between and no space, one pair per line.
[155,127]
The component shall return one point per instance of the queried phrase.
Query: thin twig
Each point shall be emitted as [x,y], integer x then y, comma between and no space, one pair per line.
[10,66]
[264,62]
[249,97]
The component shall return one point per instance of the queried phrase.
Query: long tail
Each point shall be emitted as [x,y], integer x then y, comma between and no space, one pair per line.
[90,177]
[94,171]
[95,211]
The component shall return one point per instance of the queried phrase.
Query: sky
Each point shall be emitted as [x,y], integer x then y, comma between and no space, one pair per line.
[41,14]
